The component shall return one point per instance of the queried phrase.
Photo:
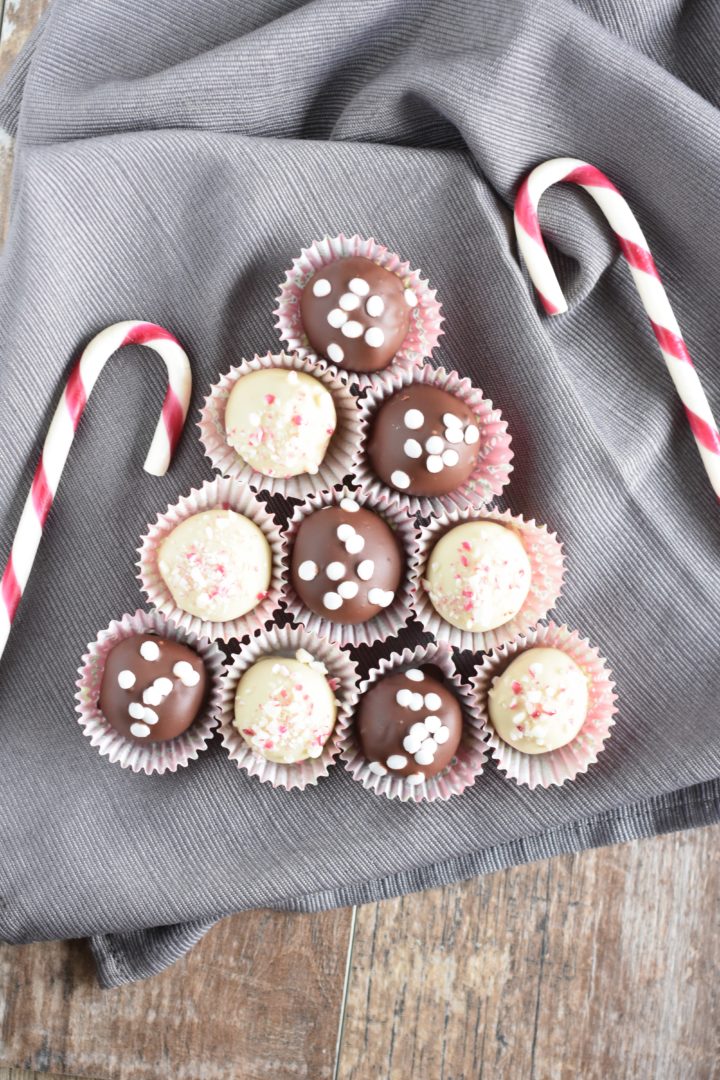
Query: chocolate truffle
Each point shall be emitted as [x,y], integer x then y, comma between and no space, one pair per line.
[478,575]
[152,689]
[424,441]
[280,422]
[285,708]
[540,701]
[217,565]
[356,313]
[346,563]
[409,725]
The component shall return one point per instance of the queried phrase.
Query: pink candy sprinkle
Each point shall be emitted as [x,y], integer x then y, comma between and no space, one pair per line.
[466,545]
[270,398]
[297,419]
[248,731]
[464,560]
[268,745]
[516,687]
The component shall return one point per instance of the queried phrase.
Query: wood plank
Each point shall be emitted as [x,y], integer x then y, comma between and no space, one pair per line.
[604,964]
[260,996]
[23,1074]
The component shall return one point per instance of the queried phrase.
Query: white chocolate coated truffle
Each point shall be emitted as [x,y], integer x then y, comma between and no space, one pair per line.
[280,422]
[217,565]
[478,575]
[285,709]
[540,701]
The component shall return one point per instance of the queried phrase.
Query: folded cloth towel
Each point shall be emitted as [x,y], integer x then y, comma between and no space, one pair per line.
[171,160]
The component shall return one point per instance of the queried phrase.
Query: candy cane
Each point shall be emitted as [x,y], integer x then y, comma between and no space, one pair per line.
[634,247]
[61,433]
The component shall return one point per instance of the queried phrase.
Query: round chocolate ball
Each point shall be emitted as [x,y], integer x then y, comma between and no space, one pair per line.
[356,313]
[152,689]
[409,724]
[346,563]
[424,441]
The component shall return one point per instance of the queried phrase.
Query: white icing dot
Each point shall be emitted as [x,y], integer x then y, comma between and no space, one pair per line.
[375,337]
[451,420]
[126,679]
[434,445]
[410,298]
[152,696]
[365,569]
[396,761]
[335,353]
[412,448]
[307,571]
[254,419]
[414,419]
[433,701]
[433,723]
[415,778]
[332,601]
[375,305]
[140,731]
[414,674]
[354,544]
[434,463]
[442,734]
[337,317]
[377,768]
[417,702]
[335,571]
[348,589]
[150,716]
[412,744]
[352,329]
[450,458]
[186,673]
[150,650]
[423,756]
[136,710]
[419,731]
[404,697]
[381,597]
[471,434]
[400,479]
[349,301]
[350,505]
[454,434]
[345,531]
[321,287]
[359,286]
[293,377]
[163,685]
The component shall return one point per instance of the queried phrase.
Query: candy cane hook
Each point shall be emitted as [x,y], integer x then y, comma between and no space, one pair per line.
[60,437]
[635,248]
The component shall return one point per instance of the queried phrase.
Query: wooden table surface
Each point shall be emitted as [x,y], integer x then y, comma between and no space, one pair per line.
[602,965]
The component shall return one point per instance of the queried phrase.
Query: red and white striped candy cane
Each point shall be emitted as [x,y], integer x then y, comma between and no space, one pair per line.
[60,437]
[634,247]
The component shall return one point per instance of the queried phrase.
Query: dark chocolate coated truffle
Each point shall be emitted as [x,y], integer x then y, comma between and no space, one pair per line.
[346,563]
[409,724]
[152,688]
[424,441]
[356,313]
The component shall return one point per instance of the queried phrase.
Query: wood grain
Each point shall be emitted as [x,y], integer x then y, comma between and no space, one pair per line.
[602,965]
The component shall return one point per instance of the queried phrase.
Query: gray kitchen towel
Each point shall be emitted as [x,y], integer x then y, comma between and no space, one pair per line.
[171,160]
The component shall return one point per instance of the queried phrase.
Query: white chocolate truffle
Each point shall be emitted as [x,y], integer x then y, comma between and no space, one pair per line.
[285,709]
[478,576]
[540,701]
[280,426]
[217,565]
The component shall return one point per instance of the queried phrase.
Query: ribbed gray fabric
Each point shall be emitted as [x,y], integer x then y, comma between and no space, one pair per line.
[171,160]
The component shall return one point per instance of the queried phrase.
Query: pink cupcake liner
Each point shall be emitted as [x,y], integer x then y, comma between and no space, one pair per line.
[556,766]
[547,569]
[228,494]
[152,757]
[337,462]
[285,641]
[388,621]
[492,469]
[425,326]
[465,767]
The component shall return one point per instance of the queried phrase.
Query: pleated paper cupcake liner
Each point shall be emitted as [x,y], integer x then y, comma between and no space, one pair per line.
[336,464]
[285,641]
[467,764]
[150,758]
[389,620]
[492,468]
[425,322]
[564,764]
[214,494]
[544,551]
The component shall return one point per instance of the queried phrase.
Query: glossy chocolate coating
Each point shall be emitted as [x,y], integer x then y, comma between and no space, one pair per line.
[318,549]
[355,295]
[389,733]
[175,710]
[398,445]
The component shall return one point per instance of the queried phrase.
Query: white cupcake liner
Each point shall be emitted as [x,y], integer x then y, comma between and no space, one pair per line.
[556,766]
[425,321]
[337,463]
[492,469]
[388,621]
[229,495]
[544,551]
[467,764]
[158,757]
[285,641]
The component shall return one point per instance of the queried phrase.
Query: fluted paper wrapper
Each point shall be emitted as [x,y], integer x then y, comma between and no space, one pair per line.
[492,467]
[284,642]
[389,620]
[214,494]
[336,464]
[544,551]
[557,766]
[467,764]
[150,758]
[425,319]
